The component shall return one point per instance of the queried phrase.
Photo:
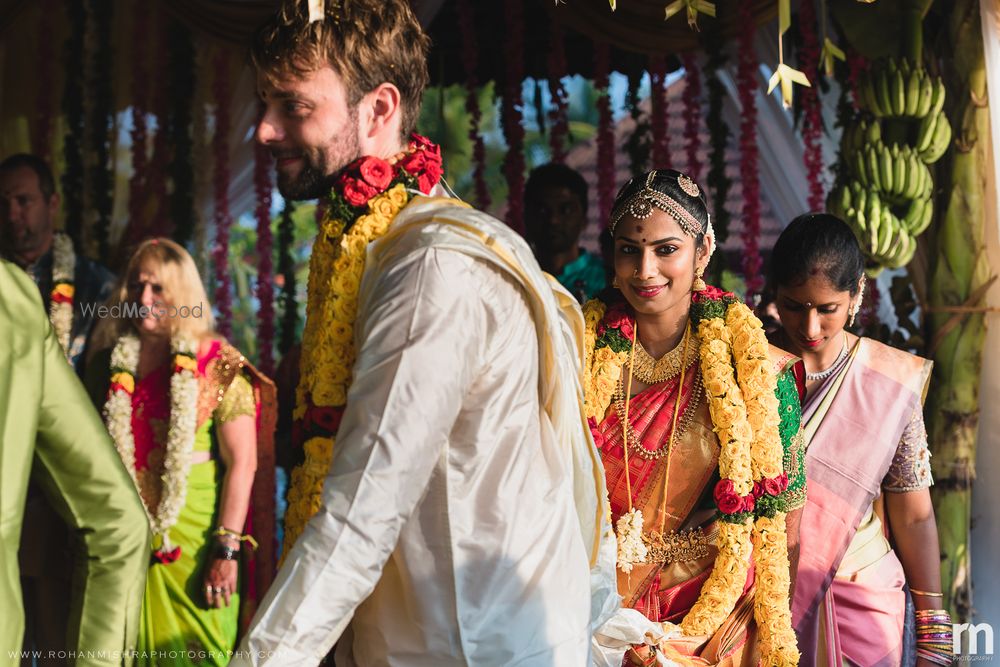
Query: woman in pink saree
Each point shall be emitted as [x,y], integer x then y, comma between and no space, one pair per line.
[868,526]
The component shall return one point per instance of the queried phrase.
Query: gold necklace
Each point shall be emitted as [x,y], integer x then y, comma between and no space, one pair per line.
[679,425]
[652,371]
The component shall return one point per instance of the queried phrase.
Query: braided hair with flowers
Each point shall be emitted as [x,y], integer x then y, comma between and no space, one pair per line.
[740,384]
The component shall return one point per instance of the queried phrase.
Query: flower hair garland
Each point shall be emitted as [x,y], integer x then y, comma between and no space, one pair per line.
[181,433]
[63,289]
[740,385]
[366,197]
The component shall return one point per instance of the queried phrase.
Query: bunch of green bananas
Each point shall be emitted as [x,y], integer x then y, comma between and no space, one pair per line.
[888,241]
[893,89]
[885,194]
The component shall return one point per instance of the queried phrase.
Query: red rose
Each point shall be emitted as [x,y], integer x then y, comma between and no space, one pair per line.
[419,142]
[356,192]
[758,490]
[726,498]
[376,172]
[167,557]
[325,418]
[748,502]
[597,435]
[617,318]
[430,176]
[775,485]
[710,293]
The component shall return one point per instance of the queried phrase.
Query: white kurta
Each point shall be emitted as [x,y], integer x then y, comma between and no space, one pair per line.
[461,505]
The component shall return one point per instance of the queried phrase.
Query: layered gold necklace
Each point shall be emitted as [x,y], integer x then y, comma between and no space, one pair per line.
[650,371]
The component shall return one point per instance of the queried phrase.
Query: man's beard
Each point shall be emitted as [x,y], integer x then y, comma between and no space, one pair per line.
[319,167]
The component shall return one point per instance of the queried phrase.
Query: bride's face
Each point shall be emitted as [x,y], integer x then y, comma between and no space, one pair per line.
[655,262]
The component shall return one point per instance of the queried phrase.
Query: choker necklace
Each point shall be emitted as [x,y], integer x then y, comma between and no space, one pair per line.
[653,371]
[829,370]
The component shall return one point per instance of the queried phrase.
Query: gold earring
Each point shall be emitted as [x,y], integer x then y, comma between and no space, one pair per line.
[614,282]
[699,284]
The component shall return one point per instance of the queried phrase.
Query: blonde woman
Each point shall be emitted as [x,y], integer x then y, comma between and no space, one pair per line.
[183,407]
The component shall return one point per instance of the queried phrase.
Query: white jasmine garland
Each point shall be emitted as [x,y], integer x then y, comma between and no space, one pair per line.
[63,272]
[180,438]
[631,549]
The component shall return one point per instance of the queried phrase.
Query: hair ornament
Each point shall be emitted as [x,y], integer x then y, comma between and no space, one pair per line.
[317,10]
[688,185]
[640,206]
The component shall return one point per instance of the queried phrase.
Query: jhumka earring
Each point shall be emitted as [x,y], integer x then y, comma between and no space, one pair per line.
[699,283]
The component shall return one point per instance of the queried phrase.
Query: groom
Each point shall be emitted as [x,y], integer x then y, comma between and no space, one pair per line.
[451,507]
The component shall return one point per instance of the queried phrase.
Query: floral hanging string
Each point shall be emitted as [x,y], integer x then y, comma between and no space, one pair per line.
[265,251]
[366,197]
[692,115]
[140,91]
[605,132]
[659,111]
[181,90]
[470,49]
[286,271]
[749,177]
[63,289]
[559,114]
[72,104]
[812,118]
[41,141]
[740,385]
[180,436]
[100,122]
[718,132]
[513,131]
[220,180]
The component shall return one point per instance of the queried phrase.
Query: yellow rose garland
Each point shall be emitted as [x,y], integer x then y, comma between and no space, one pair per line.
[740,385]
[328,351]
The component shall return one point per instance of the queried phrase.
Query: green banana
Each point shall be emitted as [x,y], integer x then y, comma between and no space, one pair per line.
[914,214]
[927,214]
[937,101]
[913,91]
[926,132]
[916,176]
[885,231]
[899,170]
[940,142]
[926,94]
[882,93]
[899,93]
[861,168]
[885,168]
[874,173]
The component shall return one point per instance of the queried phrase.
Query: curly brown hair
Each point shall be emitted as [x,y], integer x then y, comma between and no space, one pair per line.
[366,42]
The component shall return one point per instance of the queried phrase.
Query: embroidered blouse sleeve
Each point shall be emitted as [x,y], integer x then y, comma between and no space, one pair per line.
[790,410]
[237,401]
[911,466]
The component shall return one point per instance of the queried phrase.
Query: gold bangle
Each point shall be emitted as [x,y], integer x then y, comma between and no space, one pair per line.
[926,593]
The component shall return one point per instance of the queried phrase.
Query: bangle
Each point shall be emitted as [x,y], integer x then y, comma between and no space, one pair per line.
[928,594]
[223,552]
[223,532]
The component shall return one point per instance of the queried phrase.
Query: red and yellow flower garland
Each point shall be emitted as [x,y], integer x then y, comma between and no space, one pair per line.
[744,412]
[366,198]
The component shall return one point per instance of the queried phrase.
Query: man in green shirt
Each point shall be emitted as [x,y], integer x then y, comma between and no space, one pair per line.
[555,216]
[46,416]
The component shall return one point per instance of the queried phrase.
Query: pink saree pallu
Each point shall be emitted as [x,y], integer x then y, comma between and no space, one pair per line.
[852,426]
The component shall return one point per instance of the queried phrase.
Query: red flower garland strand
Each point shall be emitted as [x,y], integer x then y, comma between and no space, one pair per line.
[467,27]
[41,143]
[513,131]
[747,84]
[138,184]
[692,115]
[659,112]
[605,132]
[220,179]
[559,114]
[812,117]
[265,253]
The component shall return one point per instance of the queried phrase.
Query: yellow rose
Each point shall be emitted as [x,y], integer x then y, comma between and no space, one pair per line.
[320,449]
[740,430]
[345,284]
[346,309]
[354,245]
[398,196]
[340,332]
[715,387]
[330,394]
[383,208]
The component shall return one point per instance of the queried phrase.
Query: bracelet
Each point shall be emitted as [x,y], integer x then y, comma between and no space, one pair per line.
[222,531]
[223,552]
[926,593]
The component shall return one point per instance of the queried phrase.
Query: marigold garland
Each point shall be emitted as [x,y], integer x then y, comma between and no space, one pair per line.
[740,385]
[366,198]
